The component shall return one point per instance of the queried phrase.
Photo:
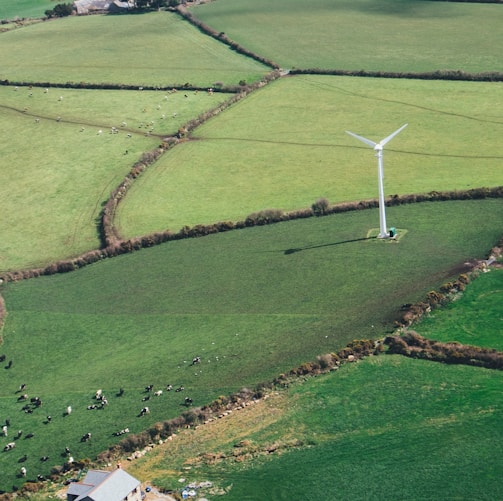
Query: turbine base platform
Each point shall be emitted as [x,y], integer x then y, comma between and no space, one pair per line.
[373,235]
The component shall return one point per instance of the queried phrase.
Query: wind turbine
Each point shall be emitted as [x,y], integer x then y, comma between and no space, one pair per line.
[378,148]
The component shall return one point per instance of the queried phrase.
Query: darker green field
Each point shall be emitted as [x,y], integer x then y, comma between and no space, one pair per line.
[382,35]
[370,425]
[474,319]
[252,302]
[24,8]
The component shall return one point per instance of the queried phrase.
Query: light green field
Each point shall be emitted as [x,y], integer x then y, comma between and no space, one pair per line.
[285,146]
[57,175]
[157,49]
[384,35]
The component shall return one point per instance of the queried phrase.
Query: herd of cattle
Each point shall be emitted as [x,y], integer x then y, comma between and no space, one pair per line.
[100,402]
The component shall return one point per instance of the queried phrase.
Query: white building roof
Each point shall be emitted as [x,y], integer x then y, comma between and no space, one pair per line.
[104,486]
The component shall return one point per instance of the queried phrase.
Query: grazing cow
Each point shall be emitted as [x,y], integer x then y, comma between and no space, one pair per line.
[44,458]
[19,433]
[92,407]
[22,387]
[68,410]
[98,394]
[196,360]
[67,450]
[121,432]
[9,365]
[169,387]
[144,411]
[188,401]
[22,397]
[2,358]
[49,419]
[36,401]
[180,388]
[86,437]
[121,392]
[23,458]
[144,399]
[30,435]
[41,478]
[149,387]
[4,430]
[23,471]
[158,393]
[9,446]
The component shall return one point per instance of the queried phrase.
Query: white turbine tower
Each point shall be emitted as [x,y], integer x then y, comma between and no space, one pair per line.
[378,148]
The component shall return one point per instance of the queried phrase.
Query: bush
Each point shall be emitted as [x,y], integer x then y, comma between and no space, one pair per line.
[320,207]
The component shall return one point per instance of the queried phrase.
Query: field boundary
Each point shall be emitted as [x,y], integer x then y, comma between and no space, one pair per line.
[116,246]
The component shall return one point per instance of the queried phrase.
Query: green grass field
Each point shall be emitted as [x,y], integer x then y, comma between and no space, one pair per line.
[474,319]
[352,434]
[57,175]
[157,49]
[241,300]
[385,35]
[285,146]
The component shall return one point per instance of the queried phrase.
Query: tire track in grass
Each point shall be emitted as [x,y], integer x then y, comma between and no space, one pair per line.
[404,103]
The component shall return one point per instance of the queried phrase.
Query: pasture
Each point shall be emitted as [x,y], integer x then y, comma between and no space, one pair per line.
[24,8]
[285,146]
[242,300]
[379,35]
[155,49]
[351,434]
[462,320]
[58,169]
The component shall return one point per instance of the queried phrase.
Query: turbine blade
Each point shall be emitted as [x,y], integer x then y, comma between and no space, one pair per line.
[363,139]
[391,136]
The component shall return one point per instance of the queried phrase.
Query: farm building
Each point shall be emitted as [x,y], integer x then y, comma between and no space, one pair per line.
[116,485]
[83,7]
